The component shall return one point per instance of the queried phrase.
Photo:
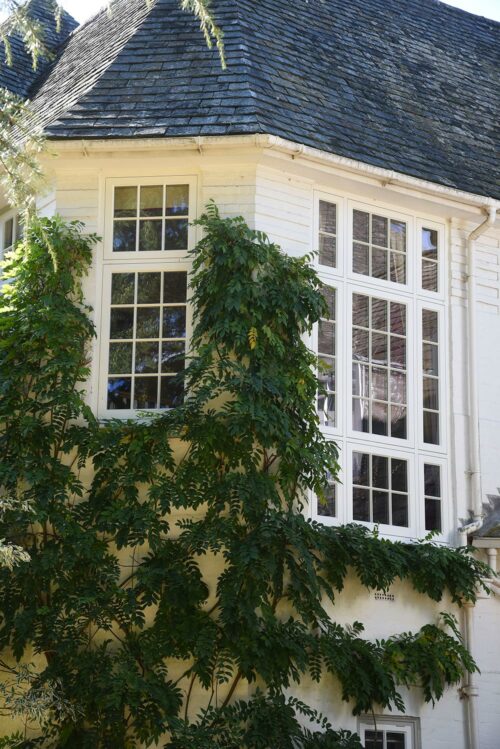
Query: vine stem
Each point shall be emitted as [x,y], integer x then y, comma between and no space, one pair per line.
[233,687]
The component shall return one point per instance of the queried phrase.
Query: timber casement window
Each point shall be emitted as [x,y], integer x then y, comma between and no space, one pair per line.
[390,733]
[145,312]
[381,367]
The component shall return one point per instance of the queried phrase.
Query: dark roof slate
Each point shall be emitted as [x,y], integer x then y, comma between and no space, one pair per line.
[409,86]
[19,77]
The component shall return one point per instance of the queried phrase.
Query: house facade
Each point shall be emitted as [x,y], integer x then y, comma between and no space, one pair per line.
[364,131]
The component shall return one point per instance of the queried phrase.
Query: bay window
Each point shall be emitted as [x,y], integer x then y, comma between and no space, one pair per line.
[381,384]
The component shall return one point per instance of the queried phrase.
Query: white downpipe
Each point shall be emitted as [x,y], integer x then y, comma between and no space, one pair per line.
[474,457]
[470,690]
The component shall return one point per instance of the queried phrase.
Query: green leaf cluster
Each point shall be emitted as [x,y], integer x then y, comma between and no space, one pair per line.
[171,563]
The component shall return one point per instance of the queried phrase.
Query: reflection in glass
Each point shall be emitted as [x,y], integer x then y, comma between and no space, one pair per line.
[146,357]
[145,392]
[124,236]
[174,322]
[176,234]
[122,288]
[151,200]
[177,200]
[172,393]
[148,288]
[150,236]
[172,357]
[327,250]
[119,389]
[120,358]
[174,287]
[148,322]
[125,201]
[122,322]
[327,217]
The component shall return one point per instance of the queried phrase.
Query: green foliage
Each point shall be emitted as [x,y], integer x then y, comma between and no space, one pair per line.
[122,519]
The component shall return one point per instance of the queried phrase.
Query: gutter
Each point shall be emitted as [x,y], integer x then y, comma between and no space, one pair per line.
[203,143]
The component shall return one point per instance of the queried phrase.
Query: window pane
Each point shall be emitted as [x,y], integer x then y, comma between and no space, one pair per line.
[150,236]
[176,234]
[122,322]
[431,358]
[122,288]
[148,288]
[119,389]
[148,322]
[151,201]
[125,201]
[361,226]
[398,387]
[360,415]
[395,740]
[399,476]
[172,358]
[327,217]
[398,352]
[327,250]
[361,259]
[360,344]
[145,392]
[398,422]
[380,472]
[398,318]
[329,297]
[379,231]
[326,505]
[124,235]
[379,263]
[360,307]
[431,393]
[379,314]
[380,421]
[430,244]
[430,325]
[374,740]
[398,235]
[146,357]
[381,507]
[398,267]
[361,469]
[174,322]
[432,515]
[361,505]
[177,200]
[430,276]
[431,428]
[379,348]
[172,393]
[380,384]
[432,479]
[120,358]
[8,233]
[174,287]
[326,338]
[400,510]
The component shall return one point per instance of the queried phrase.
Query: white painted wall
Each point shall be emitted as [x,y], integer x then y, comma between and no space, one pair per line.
[275,194]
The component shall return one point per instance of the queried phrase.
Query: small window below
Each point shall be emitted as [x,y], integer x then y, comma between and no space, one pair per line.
[147,340]
[327,234]
[379,247]
[380,489]
[150,218]
[389,733]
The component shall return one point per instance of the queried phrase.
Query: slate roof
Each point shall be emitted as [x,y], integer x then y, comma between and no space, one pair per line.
[19,77]
[405,85]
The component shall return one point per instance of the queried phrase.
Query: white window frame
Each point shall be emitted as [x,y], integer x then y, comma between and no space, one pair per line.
[380,283]
[426,447]
[409,726]
[13,215]
[340,495]
[411,380]
[145,182]
[386,530]
[133,262]
[326,270]
[440,294]
[412,449]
